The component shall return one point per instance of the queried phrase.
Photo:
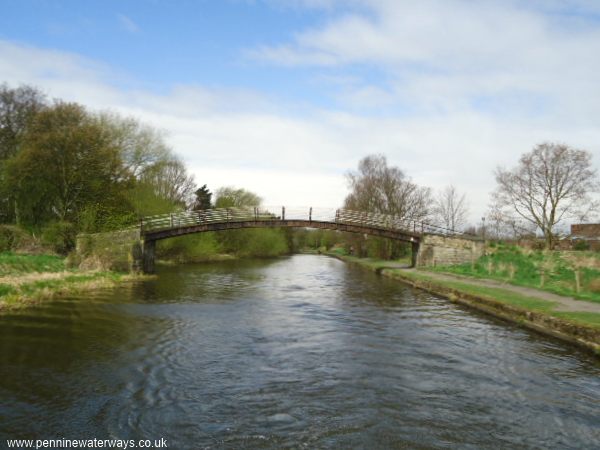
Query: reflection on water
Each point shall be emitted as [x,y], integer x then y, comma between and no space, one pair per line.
[296,352]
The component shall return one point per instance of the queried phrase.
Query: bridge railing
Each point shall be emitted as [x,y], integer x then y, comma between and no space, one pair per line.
[280,213]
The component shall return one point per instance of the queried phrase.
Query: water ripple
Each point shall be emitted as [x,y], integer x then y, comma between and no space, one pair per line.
[303,352]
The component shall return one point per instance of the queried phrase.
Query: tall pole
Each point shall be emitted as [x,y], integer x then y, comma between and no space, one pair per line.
[483,228]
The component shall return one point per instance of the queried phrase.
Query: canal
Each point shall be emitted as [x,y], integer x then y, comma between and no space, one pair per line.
[302,352]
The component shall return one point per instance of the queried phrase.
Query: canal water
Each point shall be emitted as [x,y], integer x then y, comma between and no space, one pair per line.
[299,352]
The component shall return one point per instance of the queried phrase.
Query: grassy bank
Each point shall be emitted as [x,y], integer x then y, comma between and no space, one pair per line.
[582,328]
[17,264]
[574,273]
[29,279]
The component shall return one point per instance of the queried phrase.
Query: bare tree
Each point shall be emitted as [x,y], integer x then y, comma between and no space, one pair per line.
[231,197]
[551,183]
[377,187]
[170,180]
[450,208]
[503,224]
[141,146]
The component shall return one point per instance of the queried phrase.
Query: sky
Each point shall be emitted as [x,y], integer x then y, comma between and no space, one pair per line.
[284,97]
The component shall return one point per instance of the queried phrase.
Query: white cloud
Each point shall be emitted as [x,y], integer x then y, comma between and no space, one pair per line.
[441,56]
[535,83]
[127,24]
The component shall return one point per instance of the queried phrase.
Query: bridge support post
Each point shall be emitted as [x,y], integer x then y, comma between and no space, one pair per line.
[415,254]
[148,251]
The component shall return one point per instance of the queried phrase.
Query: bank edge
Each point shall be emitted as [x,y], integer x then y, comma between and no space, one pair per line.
[583,336]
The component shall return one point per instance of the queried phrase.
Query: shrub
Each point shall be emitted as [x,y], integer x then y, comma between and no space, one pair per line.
[60,237]
[14,238]
[73,260]
[190,248]
[581,245]
[263,243]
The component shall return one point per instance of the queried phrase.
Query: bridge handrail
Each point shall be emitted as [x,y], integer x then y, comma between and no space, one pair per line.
[280,213]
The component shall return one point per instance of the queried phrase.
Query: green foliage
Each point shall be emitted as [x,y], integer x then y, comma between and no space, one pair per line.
[203,198]
[58,283]
[585,318]
[581,245]
[65,163]
[6,289]
[262,243]
[191,248]
[256,242]
[376,247]
[339,251]
[14,264]
[501,295]
[145,202]
[230,197]
[97,217]
[210,246]
[60,236]
[18,107]
[43,288]
[14,238]
[313,239]
[100,172]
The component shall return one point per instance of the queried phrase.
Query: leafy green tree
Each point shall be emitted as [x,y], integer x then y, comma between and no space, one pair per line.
[18,106]
[65,164]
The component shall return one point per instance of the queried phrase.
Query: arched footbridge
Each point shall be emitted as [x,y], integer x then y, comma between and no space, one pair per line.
[431,244]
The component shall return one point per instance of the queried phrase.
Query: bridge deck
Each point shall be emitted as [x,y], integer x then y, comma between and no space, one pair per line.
[383,225]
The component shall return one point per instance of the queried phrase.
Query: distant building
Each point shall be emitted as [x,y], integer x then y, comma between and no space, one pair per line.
[587,232]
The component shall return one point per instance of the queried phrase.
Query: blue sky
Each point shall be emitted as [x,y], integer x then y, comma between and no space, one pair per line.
[284,96]
[165,43]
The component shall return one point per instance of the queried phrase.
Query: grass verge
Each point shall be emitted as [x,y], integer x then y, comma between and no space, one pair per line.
[16,264]
[501,295]
[33,292]
[374,264]
[30,279]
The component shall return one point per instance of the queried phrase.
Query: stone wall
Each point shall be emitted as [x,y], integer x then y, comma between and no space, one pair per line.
[437,250]
[116,250]
[586,230]
[588,233]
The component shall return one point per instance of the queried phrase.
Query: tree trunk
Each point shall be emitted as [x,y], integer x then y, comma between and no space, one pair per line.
[17,213]
[549,240]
